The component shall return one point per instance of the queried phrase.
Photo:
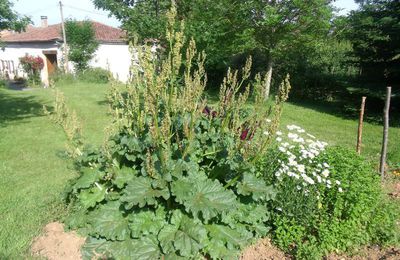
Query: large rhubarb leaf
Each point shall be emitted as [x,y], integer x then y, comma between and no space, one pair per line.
[252,215]
[139,191]
[108,222]
[256,187]
[183,234]
[123,176]
[90,197]
[94,247]
[230,237]
[206,197]
[218,250]
[87,178]
[145,248]
[147,222]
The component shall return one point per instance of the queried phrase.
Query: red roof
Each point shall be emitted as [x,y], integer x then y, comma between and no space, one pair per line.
[103,33]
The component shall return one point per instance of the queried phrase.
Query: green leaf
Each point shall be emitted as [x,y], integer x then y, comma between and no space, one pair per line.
[183,234]
[145,248]
[146,222]
[123,176]
[206,197]
[93,247]
[139,191]
[166,238]
[88,178]
[253,215]
[217,250]
[251,185]
[227,235]
[108,222]
[89,198]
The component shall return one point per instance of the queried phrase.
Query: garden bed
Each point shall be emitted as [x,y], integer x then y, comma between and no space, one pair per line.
[56,244]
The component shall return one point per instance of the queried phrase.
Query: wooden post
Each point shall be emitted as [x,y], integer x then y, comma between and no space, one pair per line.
[385,132]
[360,125]
[64,38]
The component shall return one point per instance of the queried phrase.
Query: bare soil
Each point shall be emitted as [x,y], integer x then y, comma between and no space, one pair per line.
[56,244]
[370,253]
[263,250]
[393,188]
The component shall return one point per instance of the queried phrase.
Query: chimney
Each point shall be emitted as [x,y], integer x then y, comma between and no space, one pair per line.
[44,21]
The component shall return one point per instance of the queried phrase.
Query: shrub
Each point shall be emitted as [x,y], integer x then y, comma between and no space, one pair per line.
[3,83]
[59,76]
[177,178]
[327,199]
[82,43]
[94,75]
[32,66]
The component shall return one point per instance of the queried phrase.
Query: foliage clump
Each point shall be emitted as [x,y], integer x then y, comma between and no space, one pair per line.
[177,177]
[330,201]
[68,120]
[82,43]
[32,66]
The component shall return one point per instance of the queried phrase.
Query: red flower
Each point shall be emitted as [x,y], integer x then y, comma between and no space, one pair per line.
[243,135]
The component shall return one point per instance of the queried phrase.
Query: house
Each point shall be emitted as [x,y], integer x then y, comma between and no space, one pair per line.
[46,41]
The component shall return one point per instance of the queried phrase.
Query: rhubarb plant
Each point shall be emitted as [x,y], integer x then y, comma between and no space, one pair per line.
[178,176]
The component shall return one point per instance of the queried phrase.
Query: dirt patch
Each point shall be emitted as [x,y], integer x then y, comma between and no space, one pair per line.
[56,244]
[263,250]
[370,253]
[393,188]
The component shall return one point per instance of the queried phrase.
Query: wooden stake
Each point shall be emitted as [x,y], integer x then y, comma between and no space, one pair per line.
[385,132]
[360,125]
[64,38]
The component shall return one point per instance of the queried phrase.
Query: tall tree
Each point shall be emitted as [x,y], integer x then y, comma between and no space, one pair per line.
[375,35]
[226,27]
[213,24]
[82,43]
[276,26]
[9,19]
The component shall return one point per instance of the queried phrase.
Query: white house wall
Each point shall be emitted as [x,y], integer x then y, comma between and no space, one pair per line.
[114,57]
[14,51]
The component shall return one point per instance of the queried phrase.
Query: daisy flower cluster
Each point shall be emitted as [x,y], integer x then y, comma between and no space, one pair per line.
[298,159]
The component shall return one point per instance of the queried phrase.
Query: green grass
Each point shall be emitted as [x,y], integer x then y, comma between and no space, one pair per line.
[321,122]
[33,175]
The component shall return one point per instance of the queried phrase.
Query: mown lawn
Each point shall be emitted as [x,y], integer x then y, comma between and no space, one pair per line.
[33,174]
[339,131]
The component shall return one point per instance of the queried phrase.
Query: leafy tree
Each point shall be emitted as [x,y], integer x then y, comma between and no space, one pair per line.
[276,27]
[375,35]
[227,27]
[82,43]
[9,19]
[213,24]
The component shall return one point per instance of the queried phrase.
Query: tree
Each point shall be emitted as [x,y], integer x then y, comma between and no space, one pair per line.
[82,43]
[227,27]
[375,35]
[276,26]
[213,24]
[9,19]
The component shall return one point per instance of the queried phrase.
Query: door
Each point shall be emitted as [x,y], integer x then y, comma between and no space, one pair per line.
[51,62]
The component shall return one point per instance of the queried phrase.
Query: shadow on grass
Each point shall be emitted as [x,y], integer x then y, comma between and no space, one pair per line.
[17,108]
[103,102]
[349,109]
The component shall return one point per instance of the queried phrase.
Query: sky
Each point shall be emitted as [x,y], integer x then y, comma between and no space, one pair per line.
[84,9]
[76,9]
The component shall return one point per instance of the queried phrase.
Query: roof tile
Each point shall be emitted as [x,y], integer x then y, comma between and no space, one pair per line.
[103,33]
